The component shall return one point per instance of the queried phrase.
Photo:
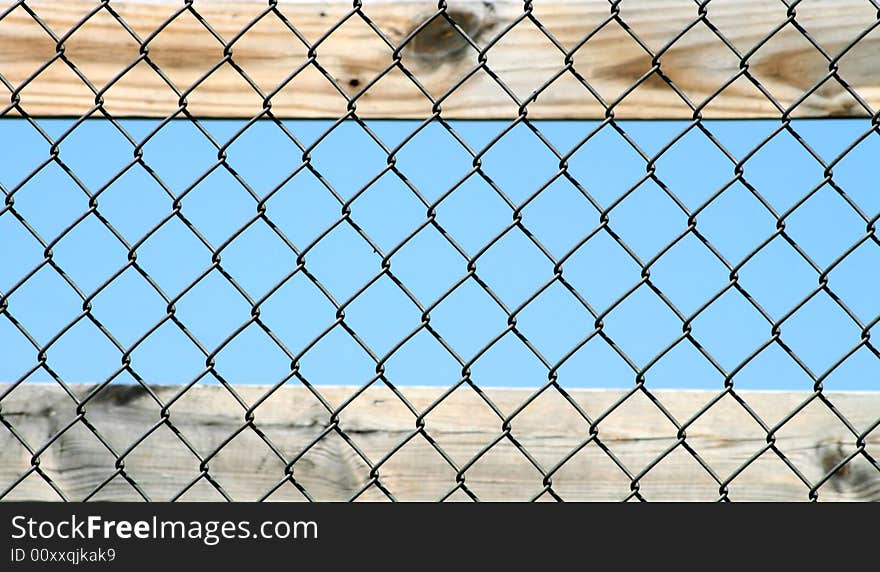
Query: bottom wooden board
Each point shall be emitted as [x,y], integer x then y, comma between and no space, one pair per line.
[332,459]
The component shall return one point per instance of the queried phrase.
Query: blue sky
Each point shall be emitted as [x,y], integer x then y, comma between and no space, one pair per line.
[514,267]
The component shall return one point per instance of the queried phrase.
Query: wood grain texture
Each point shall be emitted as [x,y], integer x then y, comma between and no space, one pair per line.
[376,421]
[699,63]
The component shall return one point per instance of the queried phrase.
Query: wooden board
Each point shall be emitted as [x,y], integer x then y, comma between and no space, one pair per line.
[637,433]
[354,64]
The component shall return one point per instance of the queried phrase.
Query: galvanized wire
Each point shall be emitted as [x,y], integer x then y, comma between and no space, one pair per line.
[420,430]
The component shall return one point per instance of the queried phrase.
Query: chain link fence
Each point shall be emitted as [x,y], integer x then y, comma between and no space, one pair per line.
[444,24]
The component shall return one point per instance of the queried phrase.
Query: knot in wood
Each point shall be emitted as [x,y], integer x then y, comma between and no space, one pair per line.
[440,41]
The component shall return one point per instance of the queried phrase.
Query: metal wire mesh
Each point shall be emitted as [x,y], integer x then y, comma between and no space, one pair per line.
[641,370]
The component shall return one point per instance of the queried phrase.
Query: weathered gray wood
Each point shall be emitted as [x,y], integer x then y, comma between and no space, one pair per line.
[637,433]
[699,63]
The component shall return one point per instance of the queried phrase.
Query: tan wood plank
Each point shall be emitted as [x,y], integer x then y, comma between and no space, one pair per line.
[376,422]
[699,63]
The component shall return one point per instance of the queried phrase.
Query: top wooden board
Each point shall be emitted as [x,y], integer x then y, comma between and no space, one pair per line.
[563,59]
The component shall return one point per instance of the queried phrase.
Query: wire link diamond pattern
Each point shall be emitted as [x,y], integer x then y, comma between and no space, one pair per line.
[516,223]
